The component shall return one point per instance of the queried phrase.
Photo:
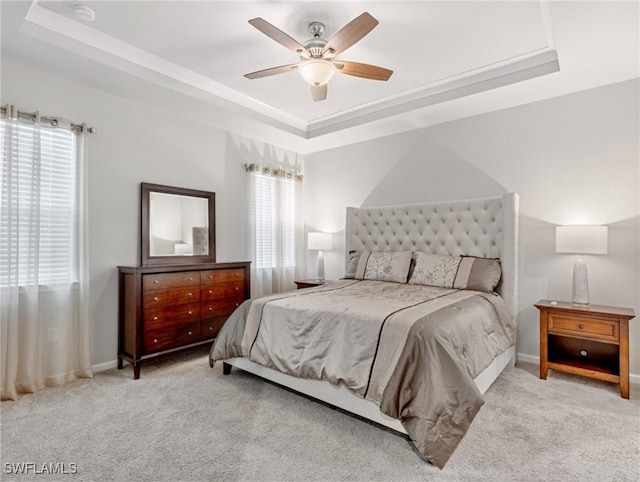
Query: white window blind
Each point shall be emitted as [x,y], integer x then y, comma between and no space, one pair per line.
[273,202]
[39,205]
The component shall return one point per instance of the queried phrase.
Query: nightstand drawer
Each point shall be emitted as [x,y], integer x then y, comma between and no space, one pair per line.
[583,327]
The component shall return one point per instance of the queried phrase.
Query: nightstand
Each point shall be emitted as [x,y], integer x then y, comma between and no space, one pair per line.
[308,283]
[591,340]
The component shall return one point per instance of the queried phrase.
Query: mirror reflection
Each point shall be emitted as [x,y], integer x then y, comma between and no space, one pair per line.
[178,225]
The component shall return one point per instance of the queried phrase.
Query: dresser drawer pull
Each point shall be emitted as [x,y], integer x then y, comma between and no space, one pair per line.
[210,292]
[155,282]
[155,318]
[211,328]
[238,275]
[190,333]
[190,294]
[155,298]
[581,326]
[210,309]
[210,276]
[155,340]
[190,278]
[191,312]
[237,289]
[237,304]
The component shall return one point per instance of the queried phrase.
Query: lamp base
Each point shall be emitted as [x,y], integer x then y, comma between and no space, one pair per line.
[580,289]
[320,266]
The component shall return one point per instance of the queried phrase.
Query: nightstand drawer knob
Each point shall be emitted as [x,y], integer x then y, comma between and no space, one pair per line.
[583,353]
[581,326]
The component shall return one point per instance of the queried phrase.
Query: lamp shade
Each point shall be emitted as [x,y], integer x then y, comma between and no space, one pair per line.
[581,239]
[320,241]
[317,72]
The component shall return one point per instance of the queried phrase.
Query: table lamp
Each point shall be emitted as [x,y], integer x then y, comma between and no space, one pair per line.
[320,242]
[581,240]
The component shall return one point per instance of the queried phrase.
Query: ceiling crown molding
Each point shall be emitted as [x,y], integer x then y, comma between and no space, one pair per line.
[84,40]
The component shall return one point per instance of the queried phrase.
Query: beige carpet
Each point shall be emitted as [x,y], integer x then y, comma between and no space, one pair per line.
[185,421]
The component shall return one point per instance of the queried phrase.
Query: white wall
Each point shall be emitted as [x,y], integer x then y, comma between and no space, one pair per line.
[573,159]
[136,143]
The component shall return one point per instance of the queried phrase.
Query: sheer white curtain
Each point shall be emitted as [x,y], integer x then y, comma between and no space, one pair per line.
[275,229]
[44,310]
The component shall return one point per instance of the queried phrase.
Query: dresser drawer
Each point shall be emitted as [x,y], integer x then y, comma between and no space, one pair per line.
[583,327]
[175,296]
[174,315]
[222,290]
[220,307]
[211,327]
[216,275]
[171,337]
[170,280]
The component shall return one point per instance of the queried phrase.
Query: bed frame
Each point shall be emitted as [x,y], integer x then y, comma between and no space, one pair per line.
[486,227]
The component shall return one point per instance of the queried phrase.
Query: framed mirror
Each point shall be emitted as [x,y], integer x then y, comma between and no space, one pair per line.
[178,225]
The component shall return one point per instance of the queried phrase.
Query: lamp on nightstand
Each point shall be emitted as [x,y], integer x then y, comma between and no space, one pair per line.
[581,240]
[320,242]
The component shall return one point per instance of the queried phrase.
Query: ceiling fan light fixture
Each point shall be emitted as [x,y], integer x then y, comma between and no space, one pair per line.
[316,72]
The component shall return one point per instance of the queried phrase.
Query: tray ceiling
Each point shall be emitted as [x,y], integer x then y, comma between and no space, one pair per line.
[439,51]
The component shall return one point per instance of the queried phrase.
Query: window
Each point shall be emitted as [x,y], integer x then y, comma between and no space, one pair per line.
[39,213]
[275,229]
[275,213]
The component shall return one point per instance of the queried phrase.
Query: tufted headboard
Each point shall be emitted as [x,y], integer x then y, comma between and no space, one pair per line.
[486,227]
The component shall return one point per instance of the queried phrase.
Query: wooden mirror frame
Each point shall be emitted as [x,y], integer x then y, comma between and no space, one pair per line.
[145,197]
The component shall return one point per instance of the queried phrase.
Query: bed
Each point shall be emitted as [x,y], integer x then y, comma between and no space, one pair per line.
[413,336]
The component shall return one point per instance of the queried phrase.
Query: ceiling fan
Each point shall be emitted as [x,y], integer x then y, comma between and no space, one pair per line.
[318,60]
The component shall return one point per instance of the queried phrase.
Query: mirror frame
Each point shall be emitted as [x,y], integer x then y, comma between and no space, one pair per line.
[145,196]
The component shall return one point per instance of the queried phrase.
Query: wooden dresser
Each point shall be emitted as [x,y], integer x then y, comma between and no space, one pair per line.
[166,309]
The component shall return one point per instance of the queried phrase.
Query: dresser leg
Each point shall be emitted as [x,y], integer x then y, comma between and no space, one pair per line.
[226,368]
[120,363]
[136,371]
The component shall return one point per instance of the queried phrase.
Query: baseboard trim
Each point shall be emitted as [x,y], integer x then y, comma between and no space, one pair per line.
[101,367]
[633,378]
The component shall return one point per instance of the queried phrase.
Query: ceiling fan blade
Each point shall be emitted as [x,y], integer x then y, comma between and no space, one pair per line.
[272,71]
[351,33]
[279,36]
[366,71]
[319,92]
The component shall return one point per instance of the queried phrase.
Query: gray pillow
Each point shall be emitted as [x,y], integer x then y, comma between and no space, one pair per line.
[352,265]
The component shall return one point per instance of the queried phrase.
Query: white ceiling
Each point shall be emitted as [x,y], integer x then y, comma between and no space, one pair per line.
[450,58]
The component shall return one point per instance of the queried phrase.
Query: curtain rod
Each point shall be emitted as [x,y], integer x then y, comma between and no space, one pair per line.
[53,121]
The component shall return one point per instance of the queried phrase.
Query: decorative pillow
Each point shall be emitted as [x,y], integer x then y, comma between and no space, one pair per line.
[466,272]
[481,274]
[384,266]
[352,265]
[435,270]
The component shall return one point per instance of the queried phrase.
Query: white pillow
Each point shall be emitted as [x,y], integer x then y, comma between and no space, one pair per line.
[384,266]
[466,272]
[435,270]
